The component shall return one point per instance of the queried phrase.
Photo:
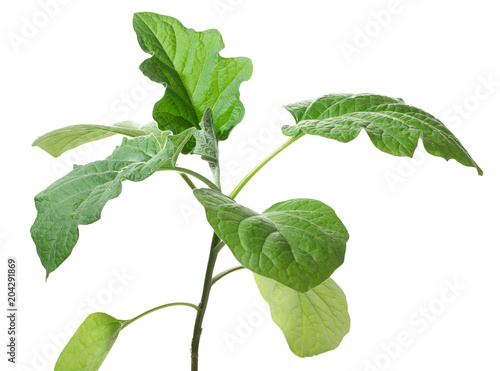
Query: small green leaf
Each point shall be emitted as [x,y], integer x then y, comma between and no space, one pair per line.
[89,346]
[79,197]
[313,322]
[61,140]
[297,242]
[393,126]
[207,144]
[196,77]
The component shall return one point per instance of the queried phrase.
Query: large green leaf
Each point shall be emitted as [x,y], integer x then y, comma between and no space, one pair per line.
[297,242]
[207,144]
[89,346]
[61,140]
[393,126]
[79,197]
[313,322]
[196,77]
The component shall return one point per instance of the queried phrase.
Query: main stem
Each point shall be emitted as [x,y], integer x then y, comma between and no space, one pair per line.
[217,245]
[204,301]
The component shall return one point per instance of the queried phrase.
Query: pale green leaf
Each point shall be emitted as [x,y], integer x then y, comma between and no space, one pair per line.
[196,77]
[393,126]
[89,346]
[79,197]
[313,322]
[61,140]
[207,144]
[297,242]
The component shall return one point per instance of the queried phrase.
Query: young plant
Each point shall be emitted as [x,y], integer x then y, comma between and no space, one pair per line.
[292,248]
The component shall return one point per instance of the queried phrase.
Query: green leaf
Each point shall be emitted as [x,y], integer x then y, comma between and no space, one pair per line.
[313,322]
[297,242]
[196,77]
[89,346]
[79,197]
[61,140]
[207,144]
[393,126]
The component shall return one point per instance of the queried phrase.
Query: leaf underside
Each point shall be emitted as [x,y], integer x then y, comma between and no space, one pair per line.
[297,242]
[61,140]
[313,322]
[79,197]
[196,77]
[207,144]
[89,346]
[393,126]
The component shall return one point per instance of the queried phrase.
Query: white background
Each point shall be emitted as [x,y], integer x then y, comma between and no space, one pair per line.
[414,225]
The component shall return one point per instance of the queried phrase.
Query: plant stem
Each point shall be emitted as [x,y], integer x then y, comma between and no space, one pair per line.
[225,273]
[204,301]
[188,181]
[182,170]
[158,308]
[256,169]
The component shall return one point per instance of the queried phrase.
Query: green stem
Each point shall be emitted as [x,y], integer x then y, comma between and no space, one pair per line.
[204,301]
[158,308]
[256,169]
[188,180]
[182,170]
[225,273]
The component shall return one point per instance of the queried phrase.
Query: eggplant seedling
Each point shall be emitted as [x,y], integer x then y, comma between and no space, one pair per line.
[293,247]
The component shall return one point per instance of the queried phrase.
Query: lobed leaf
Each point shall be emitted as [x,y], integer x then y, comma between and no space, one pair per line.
[393,126]
[313,322]
[196,77]
[79,197]
[297,242]
[89,346]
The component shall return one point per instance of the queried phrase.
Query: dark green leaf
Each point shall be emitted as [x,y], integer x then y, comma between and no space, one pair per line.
[79,197]
[297,242]
[393,126]
[89,346]
[196,77]
[313,322]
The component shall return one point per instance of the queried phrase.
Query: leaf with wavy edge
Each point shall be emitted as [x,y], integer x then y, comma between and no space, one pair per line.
[298,242]
[196,77]
[79,197]
[393,126]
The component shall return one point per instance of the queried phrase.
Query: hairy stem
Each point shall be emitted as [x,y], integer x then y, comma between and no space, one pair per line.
[256,169]
[158,308]
[204,301]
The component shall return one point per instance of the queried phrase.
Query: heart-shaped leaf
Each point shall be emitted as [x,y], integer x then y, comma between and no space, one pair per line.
[297,242]
[393,126]
[313,322]
[196,77]
[89,346]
